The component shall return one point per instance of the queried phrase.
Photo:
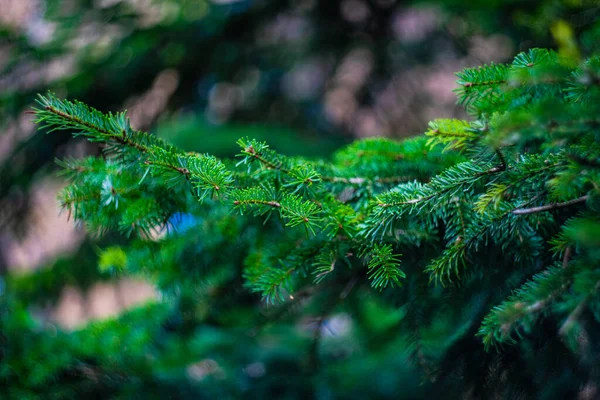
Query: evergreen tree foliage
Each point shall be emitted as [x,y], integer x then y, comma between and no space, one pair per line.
[471,251]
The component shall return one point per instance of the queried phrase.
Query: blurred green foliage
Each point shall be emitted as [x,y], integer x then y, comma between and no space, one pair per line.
[203,74]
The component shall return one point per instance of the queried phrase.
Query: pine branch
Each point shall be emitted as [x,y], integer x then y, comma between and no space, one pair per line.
[206,174]
[477,82]
[62,114]
[255,198]
[505,228]
[442,187]
[384,267]
[183,171]
[453,133]
[531,170]
[522,308]
[253,150]
[324,265]
[575,314]
[577,232]
[291,207]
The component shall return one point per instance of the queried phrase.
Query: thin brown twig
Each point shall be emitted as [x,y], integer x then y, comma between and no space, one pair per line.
[567,256]
[263,202]
[548,207]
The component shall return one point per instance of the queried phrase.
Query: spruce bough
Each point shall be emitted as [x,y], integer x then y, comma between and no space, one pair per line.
[499,214]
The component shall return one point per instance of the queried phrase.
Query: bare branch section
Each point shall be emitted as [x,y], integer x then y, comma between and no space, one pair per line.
[548,207]
[262,202]
[359,180]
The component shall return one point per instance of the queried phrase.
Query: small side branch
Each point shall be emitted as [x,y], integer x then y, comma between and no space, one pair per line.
[466,180]
[121,139]
[548,207]
[576,313]
[502,160]
[251,151]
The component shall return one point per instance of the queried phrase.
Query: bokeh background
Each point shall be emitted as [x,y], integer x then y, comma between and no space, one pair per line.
[307,76]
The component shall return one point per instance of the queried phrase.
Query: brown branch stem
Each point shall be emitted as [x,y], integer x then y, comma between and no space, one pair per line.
[548,207]
[263,202]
